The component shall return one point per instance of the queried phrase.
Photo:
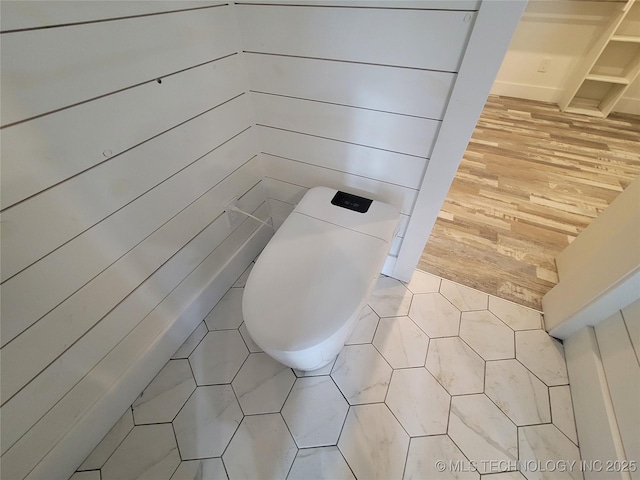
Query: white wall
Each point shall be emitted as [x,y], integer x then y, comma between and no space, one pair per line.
[599,271]
[363,96]
[114,245]
[357,109]
[604,372]
[563,32]
[113,185]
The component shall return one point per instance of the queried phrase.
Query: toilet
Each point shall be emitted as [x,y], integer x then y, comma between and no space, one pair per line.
[309,284]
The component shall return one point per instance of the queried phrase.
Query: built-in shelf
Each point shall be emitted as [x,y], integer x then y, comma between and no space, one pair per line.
[584,106]
[625,38]
[607,79]
[612,64]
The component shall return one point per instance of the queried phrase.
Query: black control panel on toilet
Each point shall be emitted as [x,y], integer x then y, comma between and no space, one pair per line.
[351,202]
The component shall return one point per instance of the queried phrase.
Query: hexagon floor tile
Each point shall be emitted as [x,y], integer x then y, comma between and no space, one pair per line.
[321,462]
[149,450]
[482,431]
[543,355]
[517,392]
[418,401]
[419,382]
[487,335]
[315,412]
[262,384]
[218,357]
[435,315]
[464,298]
[261,448]
[437,457]
[362,374]
[367,429]
[390,298]
[207,422]
[455,365]
[163,398]
[547,442]
[401,342]
[227,314]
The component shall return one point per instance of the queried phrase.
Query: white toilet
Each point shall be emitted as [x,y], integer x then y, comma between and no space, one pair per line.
[311,281]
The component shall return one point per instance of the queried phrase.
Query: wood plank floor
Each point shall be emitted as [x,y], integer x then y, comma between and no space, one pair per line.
[531,180]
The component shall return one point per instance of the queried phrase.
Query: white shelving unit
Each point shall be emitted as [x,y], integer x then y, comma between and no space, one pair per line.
[609,68]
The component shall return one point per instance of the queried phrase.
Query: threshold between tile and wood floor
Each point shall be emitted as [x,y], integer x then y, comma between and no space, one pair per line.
[531,180]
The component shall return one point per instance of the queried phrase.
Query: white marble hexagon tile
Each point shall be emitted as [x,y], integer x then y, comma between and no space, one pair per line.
[436,381]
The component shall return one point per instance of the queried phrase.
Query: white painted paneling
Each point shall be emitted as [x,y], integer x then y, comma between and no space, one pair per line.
[50,149]
[595,419]
[52,68]
[38,346]
[430,39]
[73,206]
[113,193]
[279,211]
[350,158]
[387,131]
[493,27]
[623,379]
[284,191]
[410,4]
[34,400]
[21,15]
[309,176]
[128,355]
[423,93]
[210,285]
[38,289]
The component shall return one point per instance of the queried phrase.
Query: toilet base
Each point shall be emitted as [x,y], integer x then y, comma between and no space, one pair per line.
[317,356]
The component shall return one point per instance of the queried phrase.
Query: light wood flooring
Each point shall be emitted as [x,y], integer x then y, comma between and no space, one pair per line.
[531,180]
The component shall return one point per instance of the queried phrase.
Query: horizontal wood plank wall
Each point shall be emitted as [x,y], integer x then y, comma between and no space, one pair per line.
[351,97]
[602,361]
[127,126]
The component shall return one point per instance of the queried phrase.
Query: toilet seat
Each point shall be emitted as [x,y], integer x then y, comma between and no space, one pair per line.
[309,284]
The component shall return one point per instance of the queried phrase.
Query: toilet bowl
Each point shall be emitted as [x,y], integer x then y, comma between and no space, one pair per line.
[309,284]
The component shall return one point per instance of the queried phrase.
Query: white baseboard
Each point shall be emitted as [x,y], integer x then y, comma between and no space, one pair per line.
[529,92]
[95,422]
[552,95]
[628,105]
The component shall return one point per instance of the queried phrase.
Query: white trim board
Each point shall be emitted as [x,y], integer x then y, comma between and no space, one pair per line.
[540,93]
[494,26]
[599,271]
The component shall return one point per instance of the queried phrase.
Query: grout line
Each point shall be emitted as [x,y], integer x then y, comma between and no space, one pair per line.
[306,99]
[342,141]
[120,90]
[338,60]
[344,172]
[112,19]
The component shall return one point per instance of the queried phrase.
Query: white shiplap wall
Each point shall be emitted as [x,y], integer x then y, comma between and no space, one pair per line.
[603,366]
[126,127]
[346,99]
[114,245]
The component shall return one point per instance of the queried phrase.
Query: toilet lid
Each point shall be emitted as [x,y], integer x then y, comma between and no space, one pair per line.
[287,314]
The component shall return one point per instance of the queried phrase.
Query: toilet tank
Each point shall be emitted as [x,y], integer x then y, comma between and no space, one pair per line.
[360,214]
